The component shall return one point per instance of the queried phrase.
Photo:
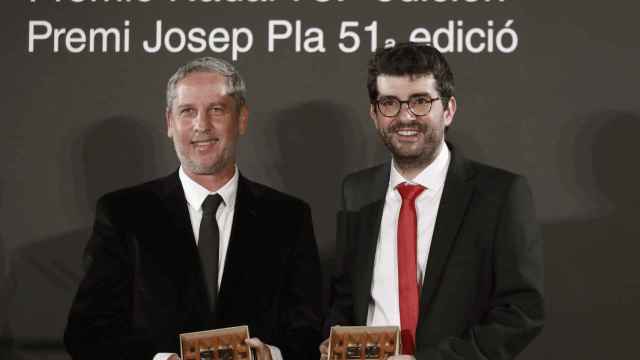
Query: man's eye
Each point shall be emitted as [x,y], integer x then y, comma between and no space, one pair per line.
[387,102]
[187,112]
[421,100]
[217,110]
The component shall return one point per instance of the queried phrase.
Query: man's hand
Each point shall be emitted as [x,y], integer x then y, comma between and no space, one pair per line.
[401,357]
[262,350]
[324,349]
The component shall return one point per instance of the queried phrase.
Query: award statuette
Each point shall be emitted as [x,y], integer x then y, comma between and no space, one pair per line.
[218,344]
[363,342]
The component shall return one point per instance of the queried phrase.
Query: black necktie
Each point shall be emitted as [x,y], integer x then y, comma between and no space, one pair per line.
[209,245]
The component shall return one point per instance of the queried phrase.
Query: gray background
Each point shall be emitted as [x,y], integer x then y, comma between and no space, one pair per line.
[562,110]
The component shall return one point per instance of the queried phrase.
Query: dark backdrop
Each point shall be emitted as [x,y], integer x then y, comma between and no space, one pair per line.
[561,109]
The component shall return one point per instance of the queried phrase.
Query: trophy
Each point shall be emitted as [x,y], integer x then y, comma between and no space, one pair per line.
[218,344]
[363,342]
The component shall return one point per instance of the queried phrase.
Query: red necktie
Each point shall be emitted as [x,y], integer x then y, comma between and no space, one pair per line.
[407,268]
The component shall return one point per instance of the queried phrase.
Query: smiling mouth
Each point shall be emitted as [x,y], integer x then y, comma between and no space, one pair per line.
[407,132]
[204,143]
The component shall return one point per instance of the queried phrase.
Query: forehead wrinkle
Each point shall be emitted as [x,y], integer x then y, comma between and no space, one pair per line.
[193,95]
[202,89]
[205,80]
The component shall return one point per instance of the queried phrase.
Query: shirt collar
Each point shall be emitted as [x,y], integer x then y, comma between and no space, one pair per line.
[432,177]
[196,193]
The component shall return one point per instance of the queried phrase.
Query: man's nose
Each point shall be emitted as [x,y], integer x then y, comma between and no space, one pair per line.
[405,113]
[202,121]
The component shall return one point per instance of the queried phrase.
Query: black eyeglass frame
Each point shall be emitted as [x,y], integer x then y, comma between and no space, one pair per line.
[408,102]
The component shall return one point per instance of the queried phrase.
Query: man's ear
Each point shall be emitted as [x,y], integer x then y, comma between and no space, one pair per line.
[373,115]
[168,122]
[450,111]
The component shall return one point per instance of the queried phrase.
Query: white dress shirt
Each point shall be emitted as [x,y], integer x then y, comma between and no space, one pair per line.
[384,306]
[195,195]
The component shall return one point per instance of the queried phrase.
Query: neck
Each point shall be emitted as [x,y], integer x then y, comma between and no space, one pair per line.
[409,171]
[213,182]
[409,168]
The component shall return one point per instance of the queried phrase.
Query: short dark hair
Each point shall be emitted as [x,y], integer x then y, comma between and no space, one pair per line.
[410,59]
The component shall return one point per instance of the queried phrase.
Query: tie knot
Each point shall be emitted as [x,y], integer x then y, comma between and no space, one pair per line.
[409,191]
[211,203]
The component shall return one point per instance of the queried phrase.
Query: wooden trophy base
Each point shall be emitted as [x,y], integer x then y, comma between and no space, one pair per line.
[363,342]
[218,344]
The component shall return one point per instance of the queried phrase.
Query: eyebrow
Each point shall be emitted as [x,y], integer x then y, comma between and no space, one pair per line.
[210,104]
[410,96]
[184,106]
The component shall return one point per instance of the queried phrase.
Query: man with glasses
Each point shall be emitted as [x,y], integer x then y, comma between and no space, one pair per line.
[443,247]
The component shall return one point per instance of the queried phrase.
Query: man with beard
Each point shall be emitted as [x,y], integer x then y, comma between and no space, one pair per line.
[443,247]
[202,248]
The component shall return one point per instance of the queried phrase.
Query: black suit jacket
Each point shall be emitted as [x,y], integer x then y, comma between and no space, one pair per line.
[144,285]
[482,293]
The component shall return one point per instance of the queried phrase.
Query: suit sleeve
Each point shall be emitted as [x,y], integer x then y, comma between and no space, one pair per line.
[100,324]
[301,318]
[340,297]
[516,311]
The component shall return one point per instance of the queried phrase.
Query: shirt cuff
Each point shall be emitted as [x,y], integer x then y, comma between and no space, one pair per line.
[164,356]
[275,353]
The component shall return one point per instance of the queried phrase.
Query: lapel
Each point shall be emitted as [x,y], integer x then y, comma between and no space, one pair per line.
[370,216]
[453,204]
[175,205]
[240,256]
[182,247]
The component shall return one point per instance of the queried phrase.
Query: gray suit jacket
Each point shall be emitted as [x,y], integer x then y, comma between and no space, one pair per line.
[482,297]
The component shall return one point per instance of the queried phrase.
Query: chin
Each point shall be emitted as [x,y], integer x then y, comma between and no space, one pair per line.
[408,151]
[201,169]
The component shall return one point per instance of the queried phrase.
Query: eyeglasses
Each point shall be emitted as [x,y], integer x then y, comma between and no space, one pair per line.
[419,105]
